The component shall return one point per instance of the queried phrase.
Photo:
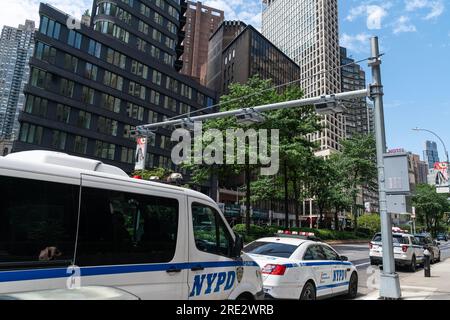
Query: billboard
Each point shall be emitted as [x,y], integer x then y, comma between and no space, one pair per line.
[141,153]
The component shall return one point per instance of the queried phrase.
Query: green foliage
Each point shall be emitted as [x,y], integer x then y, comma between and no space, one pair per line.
[371,222]
[431,207]
[257,232]
[161,173]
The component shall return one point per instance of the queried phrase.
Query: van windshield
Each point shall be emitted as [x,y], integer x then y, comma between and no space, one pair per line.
[279,250]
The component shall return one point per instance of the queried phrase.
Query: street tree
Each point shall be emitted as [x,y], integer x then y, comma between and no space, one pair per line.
[430,207]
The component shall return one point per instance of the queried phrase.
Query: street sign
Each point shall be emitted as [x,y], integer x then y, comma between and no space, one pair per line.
[141,153]
[413,214]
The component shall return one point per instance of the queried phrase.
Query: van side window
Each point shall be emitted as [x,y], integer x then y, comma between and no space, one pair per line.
[38,221]
[125,228]
[210,232]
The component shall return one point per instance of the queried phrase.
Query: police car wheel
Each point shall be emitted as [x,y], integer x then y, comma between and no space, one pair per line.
[412,267]
[308,292]
[353,286]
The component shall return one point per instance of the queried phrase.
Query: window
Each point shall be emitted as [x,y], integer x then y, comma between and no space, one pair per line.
[74,39]
[49,27]
[314,252]
[330,254]
[107,126]
[36,105]
[45,53]
[84,120]
[87,95]
[119,228]
[116,58]
[152,116]
[80,145]
[40,78]
[30,133]
[156,77]
[110,103]
[280,250]
[127,155]
[154,97]
[137,90]
[113,80]
[59,139]
[135,111]
[139,69]
[90,71]
[66,88]
[62,113]
[95,48]
[70,63]
[35,216]
[104,150]
[210,232]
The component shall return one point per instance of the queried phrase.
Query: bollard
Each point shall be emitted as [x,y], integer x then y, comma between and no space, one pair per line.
[427,263]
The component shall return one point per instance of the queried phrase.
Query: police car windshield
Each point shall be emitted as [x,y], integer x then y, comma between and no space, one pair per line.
[280,250]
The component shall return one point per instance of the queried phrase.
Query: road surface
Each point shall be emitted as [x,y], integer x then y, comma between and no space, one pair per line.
[358,254]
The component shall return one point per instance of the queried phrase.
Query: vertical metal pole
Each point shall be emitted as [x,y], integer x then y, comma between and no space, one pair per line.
[389,280]
[310,214]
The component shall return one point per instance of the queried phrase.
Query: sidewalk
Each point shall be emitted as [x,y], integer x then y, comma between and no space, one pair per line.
[417,287]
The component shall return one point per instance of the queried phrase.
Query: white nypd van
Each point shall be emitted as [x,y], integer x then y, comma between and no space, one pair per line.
[73,221]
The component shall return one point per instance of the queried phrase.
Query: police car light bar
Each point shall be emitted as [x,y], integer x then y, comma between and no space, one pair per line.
[295,233]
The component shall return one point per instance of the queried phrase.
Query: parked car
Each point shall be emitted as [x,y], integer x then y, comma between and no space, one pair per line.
[432,246]
[407,250]
[442,237]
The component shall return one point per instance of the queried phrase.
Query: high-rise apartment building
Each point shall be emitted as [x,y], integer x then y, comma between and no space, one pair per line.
[16,48]
[307,31]
[248,54]
[431,154]
[357,112]
[91,85]
[201,22]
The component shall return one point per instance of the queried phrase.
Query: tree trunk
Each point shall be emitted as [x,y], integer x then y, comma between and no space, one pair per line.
[286,200]
[247,197]
[355,213]
[297,217]
[336,220]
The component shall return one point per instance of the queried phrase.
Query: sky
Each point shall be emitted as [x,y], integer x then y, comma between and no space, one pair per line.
[414,36]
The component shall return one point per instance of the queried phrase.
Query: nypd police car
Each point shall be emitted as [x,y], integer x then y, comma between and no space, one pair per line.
[295,267]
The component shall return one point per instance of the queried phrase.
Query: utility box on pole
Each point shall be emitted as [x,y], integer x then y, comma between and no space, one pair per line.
[399,186]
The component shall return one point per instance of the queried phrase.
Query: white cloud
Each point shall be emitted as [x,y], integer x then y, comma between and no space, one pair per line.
[374,14]
[436,7]
[16,12]
[356,43]
[248,11]
[403,24]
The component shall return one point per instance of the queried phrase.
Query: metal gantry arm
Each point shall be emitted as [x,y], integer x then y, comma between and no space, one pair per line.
[317,101]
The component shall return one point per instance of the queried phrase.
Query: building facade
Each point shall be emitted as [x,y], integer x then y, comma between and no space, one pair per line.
[201,22]
[90,86]
[431,154]
[16,48]
[357,112]
[245,56]
[307,31]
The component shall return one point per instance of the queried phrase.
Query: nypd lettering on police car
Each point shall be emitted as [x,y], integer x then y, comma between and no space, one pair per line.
[212,282]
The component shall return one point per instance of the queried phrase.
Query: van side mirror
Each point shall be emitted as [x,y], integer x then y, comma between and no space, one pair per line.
[238,245]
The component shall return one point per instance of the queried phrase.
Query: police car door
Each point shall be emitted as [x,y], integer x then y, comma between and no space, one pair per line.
[212,273]
[322,270]
[341,270]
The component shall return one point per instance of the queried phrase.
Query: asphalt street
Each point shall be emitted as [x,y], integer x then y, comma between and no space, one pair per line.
[358,254]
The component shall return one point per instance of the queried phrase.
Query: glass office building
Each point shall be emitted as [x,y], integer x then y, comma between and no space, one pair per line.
[92,83]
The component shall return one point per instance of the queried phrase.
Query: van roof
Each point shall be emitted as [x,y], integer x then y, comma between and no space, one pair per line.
[61,164]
